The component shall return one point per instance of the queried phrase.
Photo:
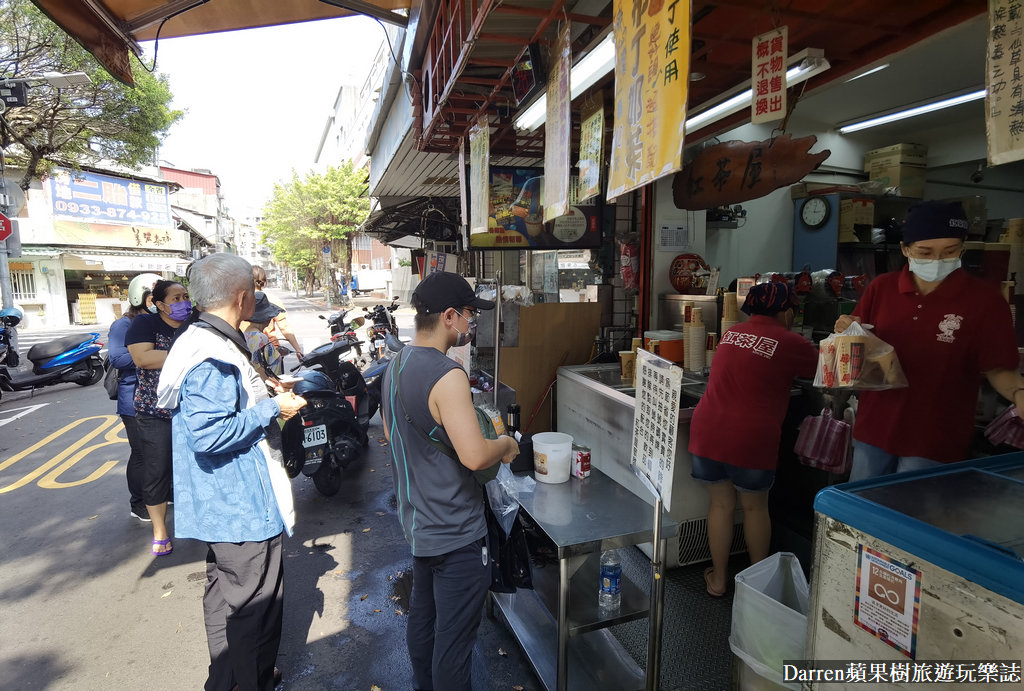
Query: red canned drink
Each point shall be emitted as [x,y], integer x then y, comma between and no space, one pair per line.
[580,461]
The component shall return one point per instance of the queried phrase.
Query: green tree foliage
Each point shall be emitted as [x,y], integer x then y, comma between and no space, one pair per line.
[312,212]
[102,122]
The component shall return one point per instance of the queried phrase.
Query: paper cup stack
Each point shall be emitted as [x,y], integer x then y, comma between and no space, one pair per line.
[730,312]
[1014,235]
[709,348]
[695,337]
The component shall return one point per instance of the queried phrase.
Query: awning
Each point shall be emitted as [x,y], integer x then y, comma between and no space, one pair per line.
[431,218]
[135,263]
[111,29]
[194,223]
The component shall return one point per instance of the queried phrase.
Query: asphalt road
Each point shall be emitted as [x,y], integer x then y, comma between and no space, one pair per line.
[85,605]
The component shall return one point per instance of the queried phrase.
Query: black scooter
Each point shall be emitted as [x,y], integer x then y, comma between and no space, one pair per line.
[329,433]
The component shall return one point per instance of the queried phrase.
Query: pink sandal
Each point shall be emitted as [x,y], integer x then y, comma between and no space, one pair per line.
[162,543]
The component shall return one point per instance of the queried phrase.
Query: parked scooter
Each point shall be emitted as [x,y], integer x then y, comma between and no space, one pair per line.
[345,331]
[374,373]
[382,320]
[328,433]
[70,359]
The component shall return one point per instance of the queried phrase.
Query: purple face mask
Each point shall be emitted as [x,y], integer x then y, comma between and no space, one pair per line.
[180,310]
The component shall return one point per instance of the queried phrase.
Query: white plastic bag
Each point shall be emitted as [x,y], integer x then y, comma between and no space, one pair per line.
[769,615]
[503,492]
[858,359]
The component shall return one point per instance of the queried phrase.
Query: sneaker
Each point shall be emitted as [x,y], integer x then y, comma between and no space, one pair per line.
[142,514]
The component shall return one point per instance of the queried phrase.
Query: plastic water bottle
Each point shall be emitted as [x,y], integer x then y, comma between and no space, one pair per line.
[610,594]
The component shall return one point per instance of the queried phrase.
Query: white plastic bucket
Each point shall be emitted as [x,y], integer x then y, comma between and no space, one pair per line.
[552,453]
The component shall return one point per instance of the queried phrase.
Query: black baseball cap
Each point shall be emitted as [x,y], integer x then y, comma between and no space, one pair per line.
[441,290]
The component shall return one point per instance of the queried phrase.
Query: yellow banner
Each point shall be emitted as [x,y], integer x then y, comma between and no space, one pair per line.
[558,130]
[652,67]
[1005,105]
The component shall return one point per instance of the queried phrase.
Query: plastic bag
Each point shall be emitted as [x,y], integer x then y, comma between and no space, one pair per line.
[824,443]
[503,502]
[1007,428]
[506,538]
[858,359]
[769,615]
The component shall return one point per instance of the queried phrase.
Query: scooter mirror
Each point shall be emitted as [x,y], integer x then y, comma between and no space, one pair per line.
[322,317]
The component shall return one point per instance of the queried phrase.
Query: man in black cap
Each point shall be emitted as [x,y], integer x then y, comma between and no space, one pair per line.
[427,410]
[949,329]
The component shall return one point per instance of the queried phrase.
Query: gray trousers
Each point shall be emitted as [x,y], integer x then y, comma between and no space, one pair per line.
[448,593]
[243,609]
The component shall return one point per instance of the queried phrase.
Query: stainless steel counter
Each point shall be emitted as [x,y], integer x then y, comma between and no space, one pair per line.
[582,518]
[596,407]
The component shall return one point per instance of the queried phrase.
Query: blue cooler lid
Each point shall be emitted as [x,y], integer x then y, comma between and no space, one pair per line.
[967,518]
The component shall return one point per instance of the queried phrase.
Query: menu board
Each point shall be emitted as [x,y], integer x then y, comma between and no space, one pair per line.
[515,218]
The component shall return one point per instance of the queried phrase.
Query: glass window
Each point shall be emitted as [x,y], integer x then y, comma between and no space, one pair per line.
[23,285]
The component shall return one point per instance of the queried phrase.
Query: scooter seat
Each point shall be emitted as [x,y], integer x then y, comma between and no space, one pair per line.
[45,351]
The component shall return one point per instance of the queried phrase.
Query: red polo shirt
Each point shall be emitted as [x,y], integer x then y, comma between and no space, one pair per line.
[945,341]
[739,418]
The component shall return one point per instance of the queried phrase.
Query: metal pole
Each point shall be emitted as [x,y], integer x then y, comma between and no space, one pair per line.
[657,606]
[497,336]
[6,290]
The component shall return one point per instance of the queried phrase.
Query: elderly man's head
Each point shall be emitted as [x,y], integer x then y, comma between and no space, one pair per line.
[222,280]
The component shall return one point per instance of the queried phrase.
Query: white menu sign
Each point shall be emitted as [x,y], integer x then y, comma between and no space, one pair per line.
[656,421]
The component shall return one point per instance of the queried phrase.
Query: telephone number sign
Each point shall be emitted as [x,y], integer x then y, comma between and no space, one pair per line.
[98,198]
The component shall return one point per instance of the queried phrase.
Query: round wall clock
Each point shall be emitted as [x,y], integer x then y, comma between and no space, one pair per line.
[815,212]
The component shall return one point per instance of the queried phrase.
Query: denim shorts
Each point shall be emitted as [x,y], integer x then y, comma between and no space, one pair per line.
[744,479]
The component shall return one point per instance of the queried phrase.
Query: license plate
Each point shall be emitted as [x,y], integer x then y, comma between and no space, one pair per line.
[379,343]
[314,436]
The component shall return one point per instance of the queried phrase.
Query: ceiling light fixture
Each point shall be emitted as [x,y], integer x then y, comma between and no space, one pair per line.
[867,72]
[808,62]
[904,113]
[584,74]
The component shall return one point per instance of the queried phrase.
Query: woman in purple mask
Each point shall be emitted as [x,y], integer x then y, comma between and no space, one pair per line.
[148,339]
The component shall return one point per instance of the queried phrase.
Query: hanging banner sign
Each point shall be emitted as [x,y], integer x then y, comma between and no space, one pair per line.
[463,194]
[558,131]
[479,175]
[656,421]
[736,171]
[768,54]
[1005,103]
[652,65]
[591,149]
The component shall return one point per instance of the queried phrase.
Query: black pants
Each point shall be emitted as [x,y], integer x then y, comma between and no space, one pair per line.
[448,593]
[155,442]
[243,609]
[135,471]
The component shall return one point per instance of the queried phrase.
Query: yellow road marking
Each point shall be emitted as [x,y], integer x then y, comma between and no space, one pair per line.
[107,424]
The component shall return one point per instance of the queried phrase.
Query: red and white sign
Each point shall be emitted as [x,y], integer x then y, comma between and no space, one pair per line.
[6,228]
[768,79]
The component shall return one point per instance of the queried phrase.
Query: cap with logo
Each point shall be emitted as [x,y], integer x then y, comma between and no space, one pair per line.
[933,220]
[441,290]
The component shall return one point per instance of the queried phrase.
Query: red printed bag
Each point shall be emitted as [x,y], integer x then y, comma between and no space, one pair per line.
[824,443]
[1007,428]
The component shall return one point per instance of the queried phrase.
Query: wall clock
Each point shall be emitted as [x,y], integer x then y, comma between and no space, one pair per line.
[815,212]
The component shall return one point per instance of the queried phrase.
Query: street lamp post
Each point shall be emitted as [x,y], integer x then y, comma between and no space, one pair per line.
[58,81]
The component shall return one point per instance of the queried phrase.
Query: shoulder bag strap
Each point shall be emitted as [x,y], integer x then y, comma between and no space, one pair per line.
[436,443]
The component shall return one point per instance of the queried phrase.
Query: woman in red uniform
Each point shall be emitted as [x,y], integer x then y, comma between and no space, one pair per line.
[736,428]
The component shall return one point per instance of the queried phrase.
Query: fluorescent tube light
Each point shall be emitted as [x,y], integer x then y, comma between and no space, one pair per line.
[867,72]
[810,61]
[583,75]
[912,112]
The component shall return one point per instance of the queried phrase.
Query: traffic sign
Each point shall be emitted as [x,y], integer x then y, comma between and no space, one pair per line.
[5,228]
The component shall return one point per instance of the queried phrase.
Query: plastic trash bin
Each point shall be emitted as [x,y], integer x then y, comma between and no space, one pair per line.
[769,620]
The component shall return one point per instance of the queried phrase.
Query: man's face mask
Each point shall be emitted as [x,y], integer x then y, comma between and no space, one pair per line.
[469,334]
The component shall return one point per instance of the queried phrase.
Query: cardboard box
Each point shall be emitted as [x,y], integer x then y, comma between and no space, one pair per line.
[896,155]
[976,209]
[909,179]
[853,213]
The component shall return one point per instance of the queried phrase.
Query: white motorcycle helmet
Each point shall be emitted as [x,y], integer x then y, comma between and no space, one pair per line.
[139,286]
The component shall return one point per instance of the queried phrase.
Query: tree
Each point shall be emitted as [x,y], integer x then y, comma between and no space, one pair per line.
[97,123]
[307,214]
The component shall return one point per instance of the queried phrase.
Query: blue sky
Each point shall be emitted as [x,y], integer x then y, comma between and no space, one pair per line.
[257,100]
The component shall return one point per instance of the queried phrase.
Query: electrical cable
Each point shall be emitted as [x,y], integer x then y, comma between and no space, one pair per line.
[156,39]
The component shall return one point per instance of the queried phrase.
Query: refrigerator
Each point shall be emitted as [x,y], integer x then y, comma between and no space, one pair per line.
[921,566]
